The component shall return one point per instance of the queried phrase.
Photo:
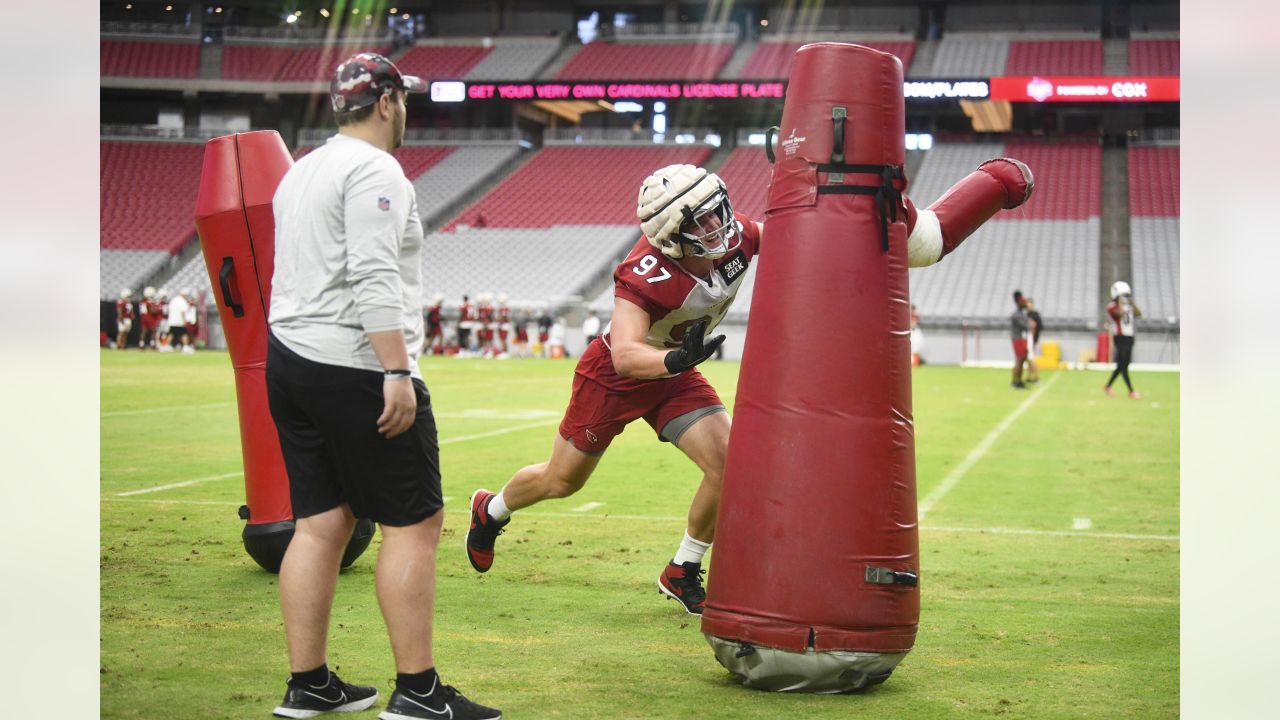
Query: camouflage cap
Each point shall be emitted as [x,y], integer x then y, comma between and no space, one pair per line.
[364,78]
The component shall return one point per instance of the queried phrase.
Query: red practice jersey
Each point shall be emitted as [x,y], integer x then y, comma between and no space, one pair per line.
[674,299]
[124,310]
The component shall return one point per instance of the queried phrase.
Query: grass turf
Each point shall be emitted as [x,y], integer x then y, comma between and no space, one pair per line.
[1023,615]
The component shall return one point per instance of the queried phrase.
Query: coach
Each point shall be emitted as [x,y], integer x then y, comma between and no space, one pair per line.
[348,400]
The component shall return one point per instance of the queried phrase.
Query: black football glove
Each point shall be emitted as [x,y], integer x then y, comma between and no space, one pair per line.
[692,350]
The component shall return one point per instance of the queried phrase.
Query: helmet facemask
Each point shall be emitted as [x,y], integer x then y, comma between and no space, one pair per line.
[709,229]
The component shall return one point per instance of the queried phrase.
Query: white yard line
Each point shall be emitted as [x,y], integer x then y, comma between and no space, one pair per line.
[957,473]
[588,507]
[184,483]
[463,438]
[165,409]
[503,431]
[1056,533]
[673,519]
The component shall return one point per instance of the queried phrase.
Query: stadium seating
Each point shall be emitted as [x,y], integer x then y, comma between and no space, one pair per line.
[529,265]
[1055,57]
[579,185]
[254,62]
[1068,180]
[457,174]
[148,194]
[514,59]
[310,63]
[746,174]
[618,61]
[1154,181]
[127,269]
[1154,57]
[286,63]
[965,55]
[1154,225]
[135,58]
[1049,248]
[442,62]
[772,60]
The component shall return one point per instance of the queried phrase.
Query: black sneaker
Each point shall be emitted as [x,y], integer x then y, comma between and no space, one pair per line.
[484,531]
[1018,386]
[683,583]
[442,702]
[307,701]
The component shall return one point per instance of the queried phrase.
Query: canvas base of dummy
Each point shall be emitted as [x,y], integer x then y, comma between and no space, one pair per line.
[823,673]
[266,543]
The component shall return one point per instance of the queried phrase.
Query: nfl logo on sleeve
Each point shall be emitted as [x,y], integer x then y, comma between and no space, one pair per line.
[384,203]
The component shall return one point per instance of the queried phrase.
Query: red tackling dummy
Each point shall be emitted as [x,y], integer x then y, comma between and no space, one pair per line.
[814,579]
[237,236]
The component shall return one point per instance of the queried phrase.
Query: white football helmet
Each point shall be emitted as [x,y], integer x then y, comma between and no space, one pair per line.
[125,294]
[685,208]
[164,293]
[502,298]
[188,293]
[148,292]
[437,299]
[1119,288]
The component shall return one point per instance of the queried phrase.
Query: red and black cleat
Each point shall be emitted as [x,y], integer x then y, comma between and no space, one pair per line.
[484,531]
[683,583]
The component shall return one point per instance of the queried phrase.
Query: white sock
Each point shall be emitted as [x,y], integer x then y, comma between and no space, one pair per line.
[691,550]
[498,508]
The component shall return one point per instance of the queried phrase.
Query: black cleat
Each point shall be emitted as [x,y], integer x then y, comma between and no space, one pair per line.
[307,701]
[484,531]
[442,702]
[683,583]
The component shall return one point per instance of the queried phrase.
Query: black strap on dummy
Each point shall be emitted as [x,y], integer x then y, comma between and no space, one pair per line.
[769,136]
[887,195]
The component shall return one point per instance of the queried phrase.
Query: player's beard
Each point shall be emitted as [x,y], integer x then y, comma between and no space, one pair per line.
[397,124]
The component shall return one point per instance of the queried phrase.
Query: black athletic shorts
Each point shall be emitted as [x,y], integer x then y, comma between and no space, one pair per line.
[327,416]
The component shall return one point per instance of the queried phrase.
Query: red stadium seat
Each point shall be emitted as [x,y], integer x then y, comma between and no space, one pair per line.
[147,194]
[436,62]
[1154,57]
[1055,57]
[1068,181]
[134,58]
[1154,182]
[746,174]
[575,186]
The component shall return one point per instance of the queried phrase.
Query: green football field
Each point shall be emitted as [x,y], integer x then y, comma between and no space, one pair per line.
[1049,557]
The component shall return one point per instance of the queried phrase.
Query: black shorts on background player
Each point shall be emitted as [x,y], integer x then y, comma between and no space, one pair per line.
[327,419]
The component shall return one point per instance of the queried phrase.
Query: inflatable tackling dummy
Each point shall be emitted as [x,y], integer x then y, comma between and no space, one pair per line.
[237,236]
[815,579]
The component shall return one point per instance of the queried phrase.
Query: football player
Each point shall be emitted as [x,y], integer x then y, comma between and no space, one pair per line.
[503,322]
[149,316]
[672,289]
[434,344]
[124,317]
[1122,311]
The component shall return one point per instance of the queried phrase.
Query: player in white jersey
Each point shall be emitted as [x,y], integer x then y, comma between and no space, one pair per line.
[1122,312]
[672,289]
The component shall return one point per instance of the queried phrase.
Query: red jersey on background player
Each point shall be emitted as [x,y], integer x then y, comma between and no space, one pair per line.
[674,286]
[484,322]
[434,343]
[124,317]
[502,321]
[466,324]
[149,318]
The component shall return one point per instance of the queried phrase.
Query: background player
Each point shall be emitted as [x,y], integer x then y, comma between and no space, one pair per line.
[1122,311]
[435,326]
[149,317]
[124,317]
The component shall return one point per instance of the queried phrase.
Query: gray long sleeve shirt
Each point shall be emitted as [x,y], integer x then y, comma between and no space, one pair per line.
[347,256]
